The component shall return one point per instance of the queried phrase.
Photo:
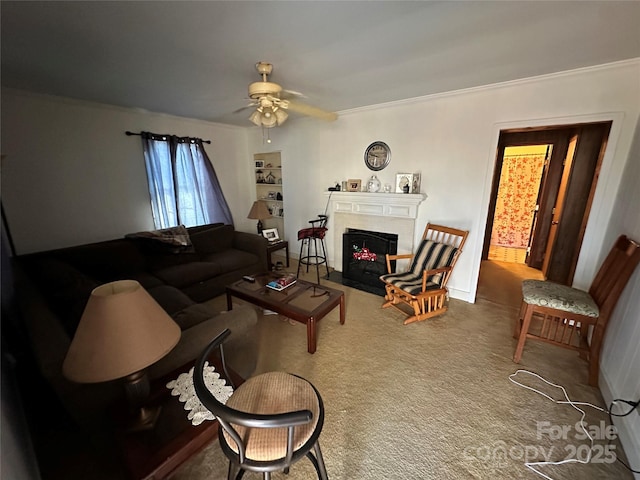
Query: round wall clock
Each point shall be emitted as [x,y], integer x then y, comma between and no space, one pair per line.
[377,156]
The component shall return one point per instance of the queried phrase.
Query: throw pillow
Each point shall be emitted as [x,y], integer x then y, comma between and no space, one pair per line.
[167,240]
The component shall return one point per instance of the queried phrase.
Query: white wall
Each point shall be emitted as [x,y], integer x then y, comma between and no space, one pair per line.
[620,362]
[452,139]
[71,175]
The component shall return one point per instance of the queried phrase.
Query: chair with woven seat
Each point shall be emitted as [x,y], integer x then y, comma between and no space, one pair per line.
[314,234]
[562,315]
[270,421]
[423,287]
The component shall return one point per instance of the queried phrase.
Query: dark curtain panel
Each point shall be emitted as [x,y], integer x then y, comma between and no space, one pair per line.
[183,185]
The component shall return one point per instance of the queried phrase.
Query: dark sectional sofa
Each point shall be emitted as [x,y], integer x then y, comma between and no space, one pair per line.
[53,287]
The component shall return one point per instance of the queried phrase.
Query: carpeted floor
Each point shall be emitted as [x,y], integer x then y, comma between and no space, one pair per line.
[433,399]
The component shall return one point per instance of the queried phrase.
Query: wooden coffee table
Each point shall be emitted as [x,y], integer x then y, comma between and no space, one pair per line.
[303,302]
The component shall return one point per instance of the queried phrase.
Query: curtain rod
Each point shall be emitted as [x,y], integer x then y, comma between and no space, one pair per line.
[128,133]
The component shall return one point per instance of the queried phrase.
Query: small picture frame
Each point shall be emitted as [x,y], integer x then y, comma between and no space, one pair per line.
[354,184]
[415,188]
[404,182]
[259,164]
[271,234]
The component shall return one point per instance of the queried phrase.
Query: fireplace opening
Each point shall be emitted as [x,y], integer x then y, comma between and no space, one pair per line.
[363,258]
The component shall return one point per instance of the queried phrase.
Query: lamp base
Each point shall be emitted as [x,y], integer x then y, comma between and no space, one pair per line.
[260,227]
[144,419]
[137,391]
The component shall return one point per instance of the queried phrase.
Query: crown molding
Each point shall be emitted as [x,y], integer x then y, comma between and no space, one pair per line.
[633,62]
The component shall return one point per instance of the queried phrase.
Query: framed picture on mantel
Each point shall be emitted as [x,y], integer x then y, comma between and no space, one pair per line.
[404,182]
[353,185]
[408,183]
[415,185]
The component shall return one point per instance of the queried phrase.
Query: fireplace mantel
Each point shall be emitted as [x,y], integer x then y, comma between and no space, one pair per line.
[382,212]
[400,205]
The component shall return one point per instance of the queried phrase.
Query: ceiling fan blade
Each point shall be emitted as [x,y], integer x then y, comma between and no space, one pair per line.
[306,109]
[286,93]
[251,105]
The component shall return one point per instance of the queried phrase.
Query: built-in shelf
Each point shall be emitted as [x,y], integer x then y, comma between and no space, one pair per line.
[267,165]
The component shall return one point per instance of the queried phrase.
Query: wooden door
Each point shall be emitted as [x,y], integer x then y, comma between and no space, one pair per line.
[590,147]
[559,204]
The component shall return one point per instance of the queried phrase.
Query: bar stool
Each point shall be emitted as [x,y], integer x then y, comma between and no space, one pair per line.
[313,234]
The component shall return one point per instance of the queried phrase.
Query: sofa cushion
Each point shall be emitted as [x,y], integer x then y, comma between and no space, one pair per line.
[240,349]
[188,273]
[193,315]
[104,261]
[213,240]
[146,280]
[66,289]
[158,260]
[231,260]
[170,298]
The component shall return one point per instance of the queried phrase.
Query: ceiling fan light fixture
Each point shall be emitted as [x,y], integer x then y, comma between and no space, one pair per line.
[256,118]
[268,119]
[281,116]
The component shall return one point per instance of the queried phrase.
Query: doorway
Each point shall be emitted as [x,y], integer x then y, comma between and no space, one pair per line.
[564,193]
[517,198]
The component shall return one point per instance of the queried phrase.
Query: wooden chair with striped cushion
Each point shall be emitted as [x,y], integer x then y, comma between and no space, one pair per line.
[423,287]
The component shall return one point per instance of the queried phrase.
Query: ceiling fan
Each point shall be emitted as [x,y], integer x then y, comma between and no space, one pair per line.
[269,98]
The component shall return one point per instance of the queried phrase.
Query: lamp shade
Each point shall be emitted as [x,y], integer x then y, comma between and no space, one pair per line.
[281,116]
[123,330]
[259,211]
[256,118]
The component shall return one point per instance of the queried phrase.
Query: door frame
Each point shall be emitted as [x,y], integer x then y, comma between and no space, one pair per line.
[558,136]
[602,204]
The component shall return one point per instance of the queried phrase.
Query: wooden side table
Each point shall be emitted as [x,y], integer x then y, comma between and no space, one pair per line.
[156,453]
[272,247]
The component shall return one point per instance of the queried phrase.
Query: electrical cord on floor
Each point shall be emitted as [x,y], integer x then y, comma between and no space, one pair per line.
[633,406]
[567,401]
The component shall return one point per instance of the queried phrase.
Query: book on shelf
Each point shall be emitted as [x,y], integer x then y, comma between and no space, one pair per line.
[283,282]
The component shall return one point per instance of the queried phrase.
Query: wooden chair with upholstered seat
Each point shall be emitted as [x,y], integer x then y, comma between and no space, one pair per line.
[270,421]
[562,315]
[423,287]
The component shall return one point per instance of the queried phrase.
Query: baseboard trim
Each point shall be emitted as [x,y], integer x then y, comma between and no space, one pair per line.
[629,441]
[460,295]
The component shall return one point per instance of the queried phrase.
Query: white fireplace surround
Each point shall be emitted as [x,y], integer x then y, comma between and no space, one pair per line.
[378,212]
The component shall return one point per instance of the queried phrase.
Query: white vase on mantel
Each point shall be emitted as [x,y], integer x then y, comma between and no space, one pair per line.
[373,185]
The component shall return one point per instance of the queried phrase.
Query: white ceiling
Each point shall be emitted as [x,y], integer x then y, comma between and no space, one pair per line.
[195,59]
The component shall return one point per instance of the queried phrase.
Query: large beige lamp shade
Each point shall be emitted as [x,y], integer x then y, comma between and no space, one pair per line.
[122,331]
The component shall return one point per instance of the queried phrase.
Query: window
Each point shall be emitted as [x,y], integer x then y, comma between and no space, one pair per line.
[183,185]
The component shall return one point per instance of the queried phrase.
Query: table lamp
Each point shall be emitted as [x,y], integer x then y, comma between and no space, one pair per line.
[122,331]
[259,211]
